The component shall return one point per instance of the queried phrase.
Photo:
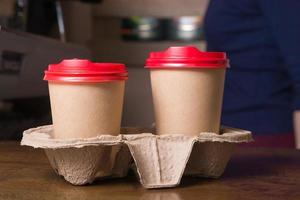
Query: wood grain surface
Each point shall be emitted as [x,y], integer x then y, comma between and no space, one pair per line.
[251,174]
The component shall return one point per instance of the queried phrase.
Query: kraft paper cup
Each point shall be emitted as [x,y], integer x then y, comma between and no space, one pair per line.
[86,98]
[187,89]
[86,110]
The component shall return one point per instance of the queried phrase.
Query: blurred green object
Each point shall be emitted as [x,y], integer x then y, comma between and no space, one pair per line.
[185,28]
[142,28]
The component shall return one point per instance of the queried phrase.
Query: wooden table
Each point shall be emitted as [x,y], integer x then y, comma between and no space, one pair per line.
[251,174]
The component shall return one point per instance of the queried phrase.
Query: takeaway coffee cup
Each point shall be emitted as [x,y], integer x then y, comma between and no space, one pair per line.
[86,98]
[187,89]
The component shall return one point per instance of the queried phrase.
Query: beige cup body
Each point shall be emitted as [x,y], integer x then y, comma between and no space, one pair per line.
[187,101]
[83,110]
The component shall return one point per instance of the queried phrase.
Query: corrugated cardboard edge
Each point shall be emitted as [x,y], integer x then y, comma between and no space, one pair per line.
[40,137]
[228,134]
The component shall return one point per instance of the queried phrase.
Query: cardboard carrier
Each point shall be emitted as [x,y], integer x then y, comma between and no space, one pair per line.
[159,161]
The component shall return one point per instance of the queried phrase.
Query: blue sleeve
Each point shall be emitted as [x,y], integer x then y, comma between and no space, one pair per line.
[283,16]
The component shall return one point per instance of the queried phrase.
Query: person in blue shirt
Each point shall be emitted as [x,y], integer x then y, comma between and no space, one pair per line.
[262,87]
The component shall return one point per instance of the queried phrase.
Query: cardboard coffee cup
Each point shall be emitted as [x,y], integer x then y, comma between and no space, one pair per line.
[86,98]
[187,89]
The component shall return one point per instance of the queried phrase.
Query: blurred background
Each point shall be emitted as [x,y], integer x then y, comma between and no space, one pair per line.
[35,33]
[261,38]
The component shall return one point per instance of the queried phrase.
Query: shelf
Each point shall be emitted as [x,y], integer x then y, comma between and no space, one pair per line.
[133,53]
[156,8]
[107,45]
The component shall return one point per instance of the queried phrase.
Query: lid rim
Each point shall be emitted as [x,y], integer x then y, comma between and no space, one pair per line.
[86,74]
[186,57]
[83,70]
[85,79]
[185,67]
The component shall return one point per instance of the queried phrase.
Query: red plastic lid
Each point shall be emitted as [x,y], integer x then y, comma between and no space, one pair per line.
[77,70]
[186,57]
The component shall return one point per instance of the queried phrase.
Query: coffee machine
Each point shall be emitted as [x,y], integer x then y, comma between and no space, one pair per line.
[23,59]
